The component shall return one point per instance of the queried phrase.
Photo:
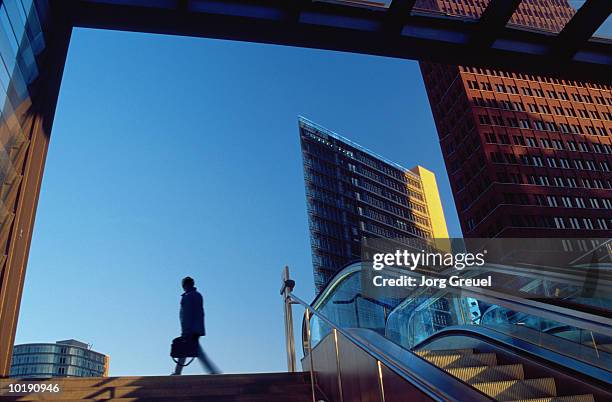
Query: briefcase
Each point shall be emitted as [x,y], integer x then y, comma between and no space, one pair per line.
[183,347]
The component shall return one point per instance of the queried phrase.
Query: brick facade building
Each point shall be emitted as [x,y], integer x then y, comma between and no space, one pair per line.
[526,155]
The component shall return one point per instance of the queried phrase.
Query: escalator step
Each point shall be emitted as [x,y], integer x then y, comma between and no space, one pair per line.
[519,389]
[481,374]
[569,398]
[458,360]
[435,352]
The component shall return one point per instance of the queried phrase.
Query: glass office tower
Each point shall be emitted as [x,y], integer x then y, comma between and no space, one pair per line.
[69,358]
[21,41]
[353,193]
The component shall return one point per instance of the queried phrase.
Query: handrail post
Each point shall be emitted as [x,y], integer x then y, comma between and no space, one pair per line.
[309,343]
[287,287]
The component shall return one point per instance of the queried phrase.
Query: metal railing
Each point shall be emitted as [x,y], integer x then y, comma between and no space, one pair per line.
[566,316]
[382,359]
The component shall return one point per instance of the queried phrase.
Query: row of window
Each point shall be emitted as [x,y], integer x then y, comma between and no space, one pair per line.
[30,353]
[558,201]
[397,185]
[314,165]
[380,166]
[389,234]
[325,189]
[403,200]
[559,94]
[557,144]
[557,181]
[389,220]
[580,223]
[517,178]
[536,199]
[90,361]
[53,370]
[328,204]
[325,162]
[324,141]
[563,163]
[552,222]
[530,77]
[518,106]
[360,156]
[552,162]
[384,204]
[541,125]
[329,213]
[573,202]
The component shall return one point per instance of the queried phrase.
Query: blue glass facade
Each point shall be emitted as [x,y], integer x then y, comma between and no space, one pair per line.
[353,193]
[61,359]
[21,41]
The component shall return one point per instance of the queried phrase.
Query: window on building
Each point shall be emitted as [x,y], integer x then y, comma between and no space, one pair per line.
[573,223]
[531,142]
[559,223]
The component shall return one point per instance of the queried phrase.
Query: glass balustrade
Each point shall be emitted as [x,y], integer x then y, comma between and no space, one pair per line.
[425,311]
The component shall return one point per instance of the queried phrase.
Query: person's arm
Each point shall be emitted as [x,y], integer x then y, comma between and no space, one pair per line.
[186,316]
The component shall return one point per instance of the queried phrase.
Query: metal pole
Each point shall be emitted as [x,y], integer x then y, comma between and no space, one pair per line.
[312,374]
[289,336]
[338,369]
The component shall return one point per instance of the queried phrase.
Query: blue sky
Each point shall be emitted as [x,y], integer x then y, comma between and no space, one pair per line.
[177,156]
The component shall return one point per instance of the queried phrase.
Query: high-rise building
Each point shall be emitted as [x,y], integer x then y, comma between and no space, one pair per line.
[353,193]
[69,358]
[526,155]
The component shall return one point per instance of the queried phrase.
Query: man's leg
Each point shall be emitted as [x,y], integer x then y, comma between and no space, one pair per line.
[207,364]
[179,366]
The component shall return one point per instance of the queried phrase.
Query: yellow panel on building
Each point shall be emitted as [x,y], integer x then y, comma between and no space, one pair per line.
[434,207]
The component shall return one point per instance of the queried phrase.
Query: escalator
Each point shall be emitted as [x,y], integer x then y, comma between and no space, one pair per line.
[504,347]
[505,382]
[506,376]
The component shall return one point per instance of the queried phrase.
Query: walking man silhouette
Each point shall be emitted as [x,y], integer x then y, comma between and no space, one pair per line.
[192,324]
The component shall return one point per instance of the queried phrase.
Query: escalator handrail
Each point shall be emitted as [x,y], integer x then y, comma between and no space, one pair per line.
[404,372]
[354,267]
[578,319]
[554,309]
[596,323]
[569,275]
[348,270]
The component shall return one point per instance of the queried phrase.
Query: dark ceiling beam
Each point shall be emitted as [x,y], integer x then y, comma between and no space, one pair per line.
[396,15]
[581,28]
[294,9]
[493,21]
[337,27]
